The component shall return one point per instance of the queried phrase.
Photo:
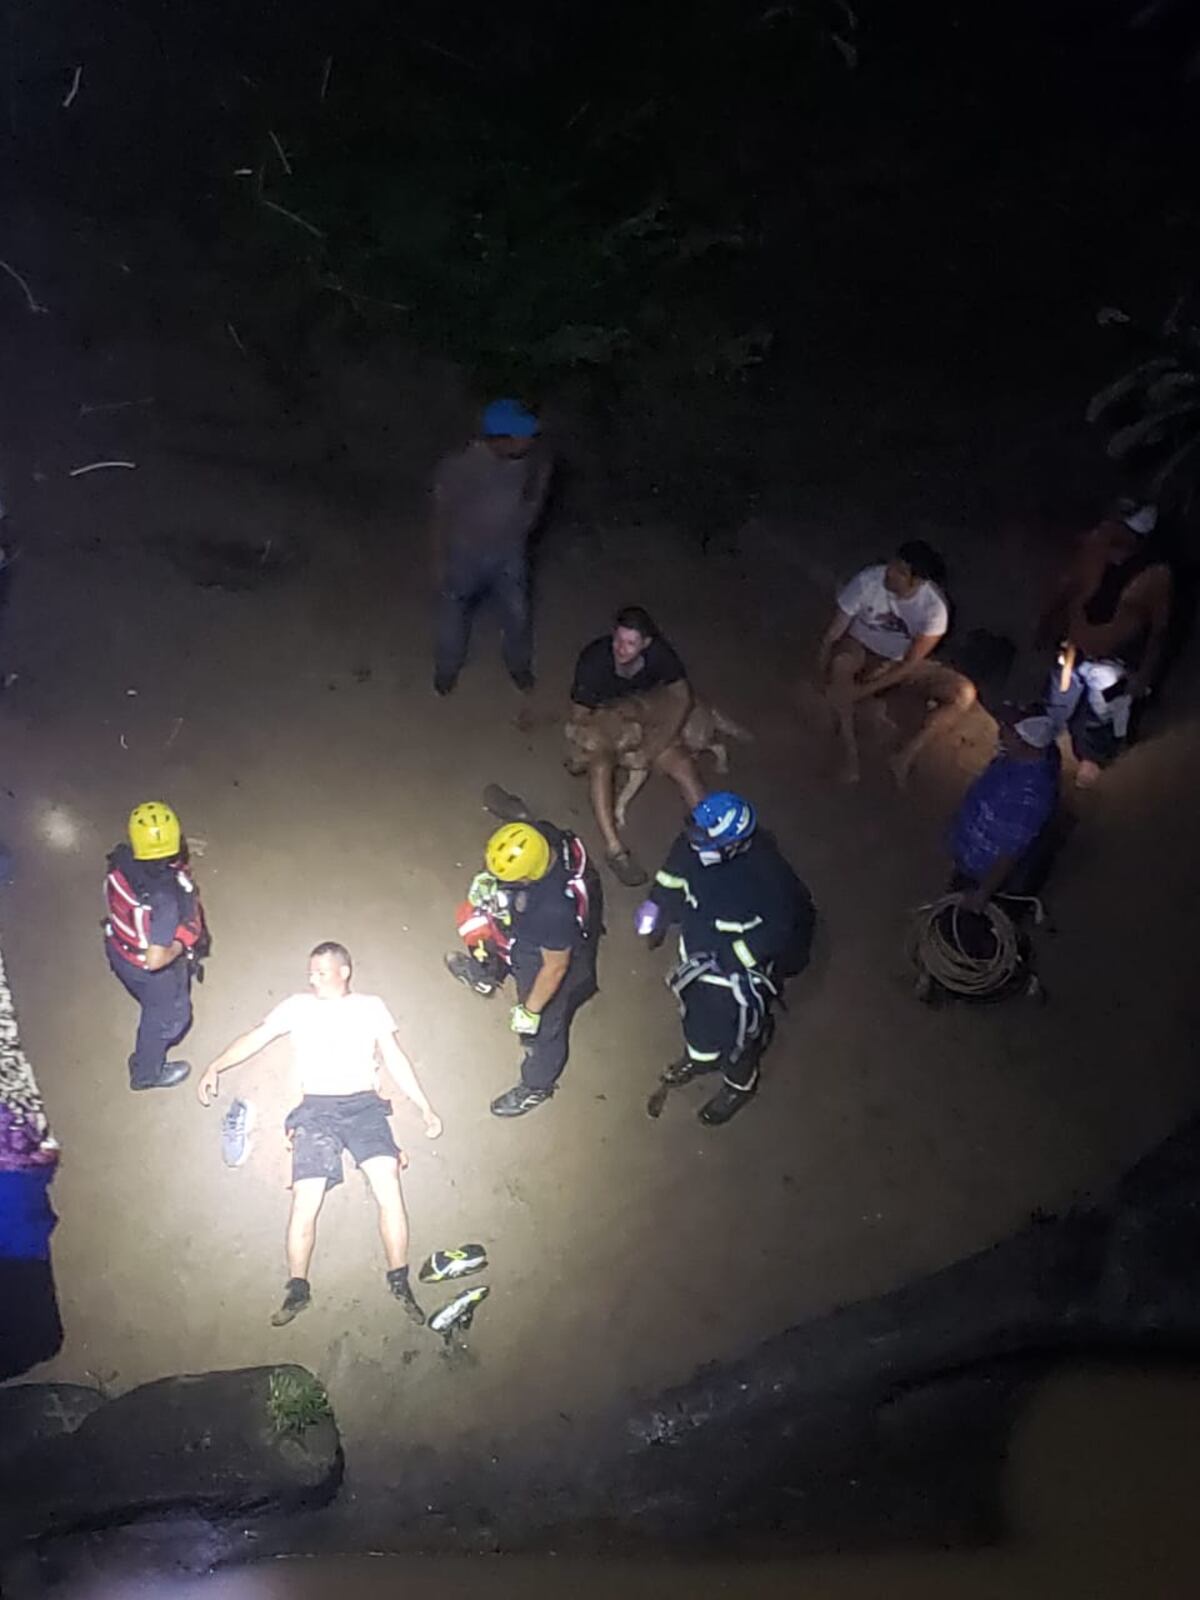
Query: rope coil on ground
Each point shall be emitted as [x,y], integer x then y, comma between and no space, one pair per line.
[945,959]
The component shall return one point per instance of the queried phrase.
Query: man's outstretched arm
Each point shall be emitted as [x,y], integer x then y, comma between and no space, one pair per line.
[403,1074]
[242,1048]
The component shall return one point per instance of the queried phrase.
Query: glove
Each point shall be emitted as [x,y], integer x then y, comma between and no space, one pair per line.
[646,918]
[523,1022]
[483,890]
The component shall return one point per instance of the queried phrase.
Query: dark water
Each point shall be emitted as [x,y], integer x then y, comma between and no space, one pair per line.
[1103,1470]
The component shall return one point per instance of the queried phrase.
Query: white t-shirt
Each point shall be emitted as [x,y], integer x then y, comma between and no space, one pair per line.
[887,623]
[334,1042]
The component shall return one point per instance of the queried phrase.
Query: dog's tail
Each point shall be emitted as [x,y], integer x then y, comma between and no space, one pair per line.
[730,728]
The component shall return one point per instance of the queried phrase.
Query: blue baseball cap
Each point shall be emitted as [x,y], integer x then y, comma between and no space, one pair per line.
[508,419]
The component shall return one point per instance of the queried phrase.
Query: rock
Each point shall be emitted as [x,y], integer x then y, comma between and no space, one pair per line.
[203,1444]
[31,1413]
[1118,1274]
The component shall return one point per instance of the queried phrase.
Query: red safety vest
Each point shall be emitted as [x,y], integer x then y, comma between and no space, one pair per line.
[477,926]
[127,926]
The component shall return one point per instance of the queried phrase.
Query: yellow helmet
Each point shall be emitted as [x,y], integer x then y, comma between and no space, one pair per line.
[518,853]
[154,831]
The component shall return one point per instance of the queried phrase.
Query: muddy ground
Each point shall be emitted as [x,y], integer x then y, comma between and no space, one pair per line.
[286,711]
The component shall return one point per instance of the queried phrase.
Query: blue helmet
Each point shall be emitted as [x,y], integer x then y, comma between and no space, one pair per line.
[720,826]
[508,419]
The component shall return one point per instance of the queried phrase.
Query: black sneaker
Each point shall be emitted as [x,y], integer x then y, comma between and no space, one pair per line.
[523,680]
[445,685]
[724,1106]
[397,1280]
[173,1072]
[469,971]
[297,1297]
[505,806]
[515,1102]
[446,1264]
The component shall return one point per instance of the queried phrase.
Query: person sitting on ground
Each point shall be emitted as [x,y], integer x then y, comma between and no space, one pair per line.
[999,835]
[1110,616]
[630,660]
[888,621]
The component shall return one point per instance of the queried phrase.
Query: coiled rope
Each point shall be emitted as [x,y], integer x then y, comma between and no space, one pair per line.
[944,958]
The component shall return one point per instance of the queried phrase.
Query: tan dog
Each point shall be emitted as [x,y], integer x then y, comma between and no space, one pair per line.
[622,732]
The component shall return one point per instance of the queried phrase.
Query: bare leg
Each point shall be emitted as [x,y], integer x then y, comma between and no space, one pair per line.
[600,778]
[956,695]
[679,766]
[383,1174]
[847,662]
[632,785]
[308,1195]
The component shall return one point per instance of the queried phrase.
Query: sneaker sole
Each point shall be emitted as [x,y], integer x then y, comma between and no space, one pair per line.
[461,1307]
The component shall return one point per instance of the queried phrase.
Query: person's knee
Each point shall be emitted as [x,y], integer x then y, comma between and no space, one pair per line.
[963,695]
[307,1195]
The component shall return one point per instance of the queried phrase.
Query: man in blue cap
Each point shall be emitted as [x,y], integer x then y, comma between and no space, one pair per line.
[487,500]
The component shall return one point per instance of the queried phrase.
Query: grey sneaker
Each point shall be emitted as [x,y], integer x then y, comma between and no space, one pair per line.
[236,1126]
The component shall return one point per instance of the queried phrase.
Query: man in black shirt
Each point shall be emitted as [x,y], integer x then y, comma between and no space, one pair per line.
[631,660]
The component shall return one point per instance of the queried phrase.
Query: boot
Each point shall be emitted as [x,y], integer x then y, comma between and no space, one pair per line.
[505,806]
[297,1298]
[685,1069]
[724,1106]
[397,1280]
[477,975]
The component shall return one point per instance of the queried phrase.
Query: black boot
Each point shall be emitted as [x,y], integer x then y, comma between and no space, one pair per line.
[297,1297]
[480,977]
[724,1106]
[507,807]
[685,1069]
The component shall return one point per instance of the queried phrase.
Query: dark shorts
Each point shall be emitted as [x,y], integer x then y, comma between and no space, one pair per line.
[323,1125]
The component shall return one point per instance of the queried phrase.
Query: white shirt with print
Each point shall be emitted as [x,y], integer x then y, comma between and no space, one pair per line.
[887,623]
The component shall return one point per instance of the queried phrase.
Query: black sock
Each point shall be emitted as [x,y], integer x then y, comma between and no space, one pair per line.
[398,1280]
[297,1286]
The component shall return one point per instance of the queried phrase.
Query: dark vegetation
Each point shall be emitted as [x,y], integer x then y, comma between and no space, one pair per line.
[680,220]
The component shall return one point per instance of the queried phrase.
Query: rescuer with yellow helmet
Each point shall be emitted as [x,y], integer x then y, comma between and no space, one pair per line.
[535,913]
[154,933]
